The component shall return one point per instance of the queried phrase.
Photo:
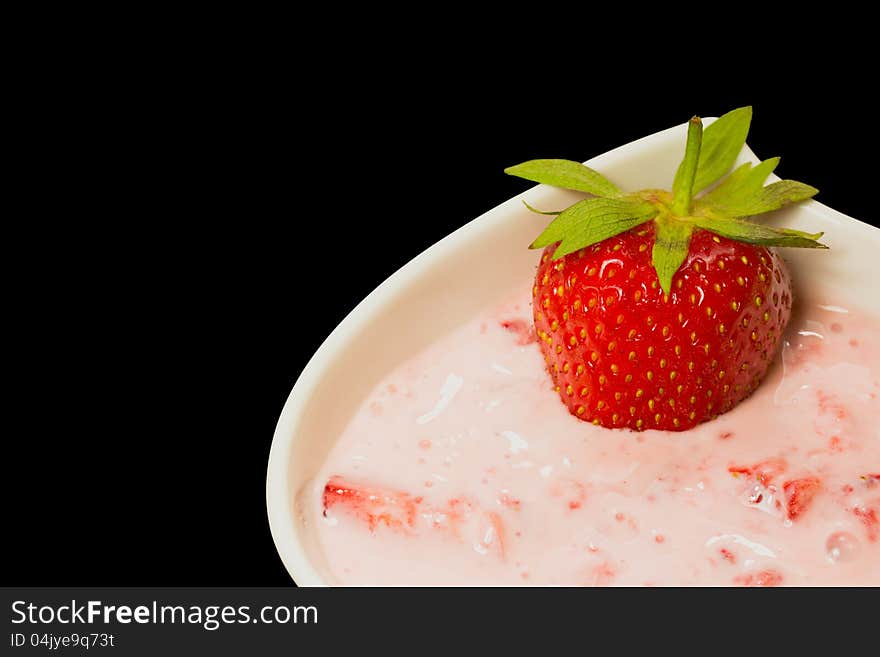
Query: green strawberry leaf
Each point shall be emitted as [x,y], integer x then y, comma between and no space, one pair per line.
[746,231]
[741,184]
[567,174]
[592,220]
[670,249]
[767,199]
[722,142]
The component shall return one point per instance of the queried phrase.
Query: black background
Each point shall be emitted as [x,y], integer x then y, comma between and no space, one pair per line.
[191,238]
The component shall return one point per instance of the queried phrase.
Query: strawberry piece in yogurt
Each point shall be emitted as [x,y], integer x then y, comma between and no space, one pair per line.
[799,494]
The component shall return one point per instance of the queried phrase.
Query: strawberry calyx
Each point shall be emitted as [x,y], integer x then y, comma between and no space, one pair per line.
[724,210]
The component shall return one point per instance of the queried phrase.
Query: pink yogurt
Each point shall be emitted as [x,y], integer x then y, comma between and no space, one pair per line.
[463,467]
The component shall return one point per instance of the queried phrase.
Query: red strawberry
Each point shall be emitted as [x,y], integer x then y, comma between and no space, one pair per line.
[406,513]
[799,493]
[868,517]
[655,310]
[764,471]
[761,578]
[622,353]
[376,506]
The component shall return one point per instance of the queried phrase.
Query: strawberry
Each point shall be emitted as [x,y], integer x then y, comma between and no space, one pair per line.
[764,471]
[656,309]
[799,493]
[761,578]
[868,517]
[393,509]
[408,514]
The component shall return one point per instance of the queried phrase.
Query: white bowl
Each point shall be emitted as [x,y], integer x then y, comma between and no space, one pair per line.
[449,283]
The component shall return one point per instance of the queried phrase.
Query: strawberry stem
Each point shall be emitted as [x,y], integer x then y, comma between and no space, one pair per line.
[683,186]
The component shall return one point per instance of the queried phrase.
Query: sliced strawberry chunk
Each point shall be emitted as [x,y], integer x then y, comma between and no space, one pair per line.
[799,493]
[376,506]
[764,471]
[406,513]
[868,517]
[760,578]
